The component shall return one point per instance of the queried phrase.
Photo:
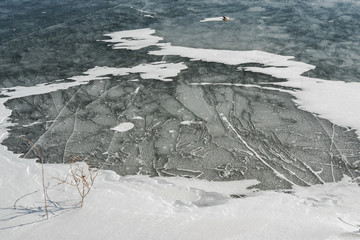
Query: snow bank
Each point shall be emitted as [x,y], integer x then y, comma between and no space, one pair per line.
[139,207]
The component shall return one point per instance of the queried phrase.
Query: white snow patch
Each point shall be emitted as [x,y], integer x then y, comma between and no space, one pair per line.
[189,122]
[31,124]
[123,127]
[133,39]
[231,57]
[137,118]
[149,16]
[137,90]
[162,71]
[213,19]
[159,70]
[337,101]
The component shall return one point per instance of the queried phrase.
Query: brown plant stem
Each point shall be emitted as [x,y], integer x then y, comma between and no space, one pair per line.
[82,179]
[42,174]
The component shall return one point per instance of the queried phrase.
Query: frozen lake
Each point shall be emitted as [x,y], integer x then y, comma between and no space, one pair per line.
[165,88]
[206,119]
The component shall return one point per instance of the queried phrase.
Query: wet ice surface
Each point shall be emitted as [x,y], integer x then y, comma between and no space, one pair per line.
[200,102]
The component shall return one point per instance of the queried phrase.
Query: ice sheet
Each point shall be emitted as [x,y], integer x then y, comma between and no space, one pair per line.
[333,100]
[202,121]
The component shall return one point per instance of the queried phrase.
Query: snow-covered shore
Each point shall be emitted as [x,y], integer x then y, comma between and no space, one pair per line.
[139,207]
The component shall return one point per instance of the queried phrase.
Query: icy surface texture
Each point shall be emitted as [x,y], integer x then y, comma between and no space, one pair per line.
[179,113]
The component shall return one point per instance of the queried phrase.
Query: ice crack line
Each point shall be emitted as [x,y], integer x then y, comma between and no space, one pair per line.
[72,132]
[54,122]
[334,145]
[231,127]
